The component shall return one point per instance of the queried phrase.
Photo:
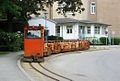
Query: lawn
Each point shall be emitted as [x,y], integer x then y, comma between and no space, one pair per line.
[22,55]
[1,52]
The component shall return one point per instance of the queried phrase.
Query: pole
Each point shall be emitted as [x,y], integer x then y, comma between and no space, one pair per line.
[106,40]
[45,30]
[113,39]
[45,25]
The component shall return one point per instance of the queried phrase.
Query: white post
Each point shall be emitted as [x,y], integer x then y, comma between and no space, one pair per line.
[106,40]
[113,33]
[46,14]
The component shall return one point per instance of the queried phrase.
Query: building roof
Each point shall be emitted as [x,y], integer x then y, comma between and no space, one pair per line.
[65,20]
[70,20]
[93,22]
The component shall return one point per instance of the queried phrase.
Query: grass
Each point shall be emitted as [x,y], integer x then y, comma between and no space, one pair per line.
[3,52]
[22,55]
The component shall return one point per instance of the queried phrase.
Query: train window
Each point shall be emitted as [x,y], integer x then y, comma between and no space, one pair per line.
[33,34]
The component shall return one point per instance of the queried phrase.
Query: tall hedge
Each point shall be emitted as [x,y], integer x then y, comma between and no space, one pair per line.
[115,41]
[103,40]
[11,41]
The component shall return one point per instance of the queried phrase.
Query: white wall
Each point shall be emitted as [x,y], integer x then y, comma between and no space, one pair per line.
[36,21]
[73,35]
[93,32]
[75,31]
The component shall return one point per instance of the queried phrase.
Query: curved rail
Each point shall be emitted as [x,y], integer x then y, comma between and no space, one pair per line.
[43,73]
[55,73]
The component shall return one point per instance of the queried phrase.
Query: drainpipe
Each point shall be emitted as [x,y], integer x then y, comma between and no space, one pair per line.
[87,3]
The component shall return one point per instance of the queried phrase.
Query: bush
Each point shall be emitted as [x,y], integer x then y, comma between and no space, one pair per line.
[11,41]
[116,40]
[54,38]
[93,40]
[103,40]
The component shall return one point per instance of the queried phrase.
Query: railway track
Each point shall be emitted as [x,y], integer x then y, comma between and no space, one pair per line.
[47,73]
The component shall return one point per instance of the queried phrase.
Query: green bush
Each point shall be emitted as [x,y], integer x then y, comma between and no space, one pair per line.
[116,40]
[93,40]
[54,38]
[11,41]
[103,40]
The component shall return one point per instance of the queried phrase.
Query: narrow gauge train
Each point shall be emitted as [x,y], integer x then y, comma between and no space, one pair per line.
[35,48]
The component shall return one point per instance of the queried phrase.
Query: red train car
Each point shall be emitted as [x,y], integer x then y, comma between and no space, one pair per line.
[35,48]
[33,43]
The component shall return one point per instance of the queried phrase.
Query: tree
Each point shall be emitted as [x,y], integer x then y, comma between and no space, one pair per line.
[8,7]
[9,10]
[19,10]
[34,6]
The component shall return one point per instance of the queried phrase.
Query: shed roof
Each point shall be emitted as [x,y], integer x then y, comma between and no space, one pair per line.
[70,20]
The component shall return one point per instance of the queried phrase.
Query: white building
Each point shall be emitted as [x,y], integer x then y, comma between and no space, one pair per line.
[49,24]
[69,28]
[78,29]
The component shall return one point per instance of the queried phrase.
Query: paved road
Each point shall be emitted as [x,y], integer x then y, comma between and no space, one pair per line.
[103,65]
[9,70]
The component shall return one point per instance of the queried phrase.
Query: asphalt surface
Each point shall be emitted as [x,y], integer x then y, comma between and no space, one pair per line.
[102,65]
[9,70]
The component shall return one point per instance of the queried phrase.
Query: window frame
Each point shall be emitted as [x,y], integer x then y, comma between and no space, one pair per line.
[26,36]
[82,28]
[97,30]
[69,29]
[89,31]
[93,8]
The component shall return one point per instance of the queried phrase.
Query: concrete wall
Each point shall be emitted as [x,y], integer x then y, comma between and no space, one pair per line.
[92,17]
[82,16]
[109,12]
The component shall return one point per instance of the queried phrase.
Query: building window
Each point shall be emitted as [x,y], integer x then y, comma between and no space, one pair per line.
[82,29]
[97,30]
[93,8]
[88,30]
[69,29]
[58,30]
[104,29]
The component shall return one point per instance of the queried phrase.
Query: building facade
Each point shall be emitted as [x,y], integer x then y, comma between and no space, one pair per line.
[96,10]
[69,28]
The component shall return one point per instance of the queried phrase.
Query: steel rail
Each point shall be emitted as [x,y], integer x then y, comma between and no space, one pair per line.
[55,73]
[43,73]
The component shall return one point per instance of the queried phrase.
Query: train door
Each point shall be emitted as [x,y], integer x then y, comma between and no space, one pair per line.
[33,43]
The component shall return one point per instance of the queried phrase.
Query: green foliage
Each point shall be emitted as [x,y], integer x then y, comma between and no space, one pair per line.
[34,6]
[103,40]
[54,38]
[11,41]
[19,11]
[1,52]
[8,7]
[93,40]
[115,41]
